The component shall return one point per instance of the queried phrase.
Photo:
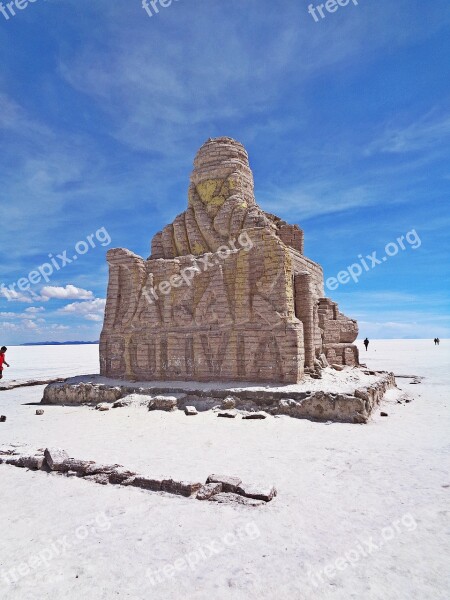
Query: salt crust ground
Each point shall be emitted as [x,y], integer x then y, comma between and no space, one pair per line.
[339,485]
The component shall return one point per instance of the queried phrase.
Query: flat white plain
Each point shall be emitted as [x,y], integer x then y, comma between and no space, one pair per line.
[339,485]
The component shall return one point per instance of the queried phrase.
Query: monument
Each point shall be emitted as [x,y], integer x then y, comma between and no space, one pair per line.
[227,293]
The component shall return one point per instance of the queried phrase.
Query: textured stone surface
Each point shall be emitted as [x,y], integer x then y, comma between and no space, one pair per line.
[355,405]
[147,483]
[98,468]
[227,293]
[229,403]
[226,414]
[55,458]
[190,411]
[27,462]
[181,488]
[254,416]
[250,490]
[167,403]
[120,474]
[230,498]
[229,482]
[208,490]
[86,393]
[101,478]
[80,466]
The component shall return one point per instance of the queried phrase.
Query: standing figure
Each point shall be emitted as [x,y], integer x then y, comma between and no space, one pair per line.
[3,349]
[366,343]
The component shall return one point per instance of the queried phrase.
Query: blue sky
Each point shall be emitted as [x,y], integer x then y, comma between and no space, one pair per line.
[346,121]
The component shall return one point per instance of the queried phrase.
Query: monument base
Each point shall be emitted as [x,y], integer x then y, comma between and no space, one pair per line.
[347,396]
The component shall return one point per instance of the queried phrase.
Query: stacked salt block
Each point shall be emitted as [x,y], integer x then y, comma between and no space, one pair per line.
[227,293]
[218,488]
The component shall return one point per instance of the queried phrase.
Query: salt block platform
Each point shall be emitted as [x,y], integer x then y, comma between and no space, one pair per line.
[347,396]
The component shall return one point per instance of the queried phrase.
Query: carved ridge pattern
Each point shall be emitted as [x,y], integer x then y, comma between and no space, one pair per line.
[240,319]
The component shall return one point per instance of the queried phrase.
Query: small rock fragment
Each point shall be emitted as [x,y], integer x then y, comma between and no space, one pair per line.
[146,483]
[79,466]
[103,406]
[28,462]
[229,483]
[190,411]
[180,488]
[228,403]
[166,403]
[226,415]
[338,367]
[255,415]
[323,360]
[101,478]
[39,411]
[257,493]
[96,468]
[384,414]
[208,490]
[2,418]
[230,498]
[120,474]
[128,481]
[55,458]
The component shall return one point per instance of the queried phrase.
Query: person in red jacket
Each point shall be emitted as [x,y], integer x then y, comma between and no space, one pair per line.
[3,349]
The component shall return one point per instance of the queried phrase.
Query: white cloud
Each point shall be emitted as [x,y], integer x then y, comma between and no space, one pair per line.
[6,325]
[14,296]
[91,310]
[70,292]
[424,134]
[34,309]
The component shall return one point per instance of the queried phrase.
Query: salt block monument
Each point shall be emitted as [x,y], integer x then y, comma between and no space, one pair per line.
[227,293]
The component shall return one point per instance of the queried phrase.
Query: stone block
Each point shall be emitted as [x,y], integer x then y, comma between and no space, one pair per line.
[229,482]
[167,403]
[181,488]
[28,462]
[79,466]
[208,490]
[254,415]
[56,458]
[250,490]
[231,498]
[120,474]
[226,414]
[101,478]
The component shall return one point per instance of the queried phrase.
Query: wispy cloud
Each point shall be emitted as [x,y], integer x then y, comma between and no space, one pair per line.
[427,133]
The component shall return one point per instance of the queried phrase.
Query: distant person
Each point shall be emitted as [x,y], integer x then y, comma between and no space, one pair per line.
[438,341]
[366,343]
[3,349]
[435,341]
